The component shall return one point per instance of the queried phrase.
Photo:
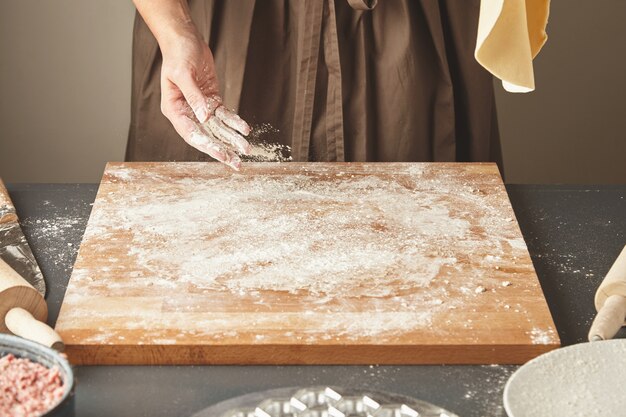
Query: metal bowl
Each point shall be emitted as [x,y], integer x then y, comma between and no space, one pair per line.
[47,357]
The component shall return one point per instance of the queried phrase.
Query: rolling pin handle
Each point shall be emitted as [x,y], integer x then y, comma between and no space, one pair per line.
[21,323]
[610,302]
[609,320]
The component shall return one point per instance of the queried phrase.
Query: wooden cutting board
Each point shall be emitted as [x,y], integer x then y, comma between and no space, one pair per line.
[308,263]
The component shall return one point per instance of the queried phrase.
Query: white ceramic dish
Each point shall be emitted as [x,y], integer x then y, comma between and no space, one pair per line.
[583,380]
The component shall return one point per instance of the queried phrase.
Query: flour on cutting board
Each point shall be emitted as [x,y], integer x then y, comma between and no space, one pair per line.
[328,237]
[256,237]
[542,336]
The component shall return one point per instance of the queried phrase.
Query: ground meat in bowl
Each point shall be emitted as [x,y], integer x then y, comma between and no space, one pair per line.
[27,388]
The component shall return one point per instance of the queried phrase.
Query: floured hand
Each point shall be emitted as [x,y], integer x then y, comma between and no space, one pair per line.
[190,100]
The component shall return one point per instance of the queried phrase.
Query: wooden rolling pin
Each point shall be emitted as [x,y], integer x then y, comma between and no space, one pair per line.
[7,213]
[23,311]
[610,302]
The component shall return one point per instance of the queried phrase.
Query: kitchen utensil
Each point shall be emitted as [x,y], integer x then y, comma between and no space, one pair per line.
[23,311]
[14,248]
[323,401]
[586,379]
[610,302]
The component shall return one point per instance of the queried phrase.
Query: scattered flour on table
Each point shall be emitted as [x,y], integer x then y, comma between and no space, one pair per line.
[485,390]
[55,240]
[328,237]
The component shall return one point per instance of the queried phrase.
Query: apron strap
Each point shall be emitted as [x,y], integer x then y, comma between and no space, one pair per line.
[319,26]
[308,53]
[334,97]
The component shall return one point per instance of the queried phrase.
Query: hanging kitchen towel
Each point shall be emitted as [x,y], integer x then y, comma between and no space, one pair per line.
[510,34]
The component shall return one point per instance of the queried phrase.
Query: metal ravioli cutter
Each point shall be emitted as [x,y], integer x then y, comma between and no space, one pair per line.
[323,402]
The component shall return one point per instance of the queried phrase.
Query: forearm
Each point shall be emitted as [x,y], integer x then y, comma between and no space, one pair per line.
[168,20]
[190,94]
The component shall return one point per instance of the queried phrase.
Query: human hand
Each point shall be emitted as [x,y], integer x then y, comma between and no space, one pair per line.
[190,99]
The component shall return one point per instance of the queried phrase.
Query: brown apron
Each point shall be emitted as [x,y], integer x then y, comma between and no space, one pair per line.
[338,81]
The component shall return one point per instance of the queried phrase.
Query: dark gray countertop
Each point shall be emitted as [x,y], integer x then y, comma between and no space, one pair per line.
[573,233]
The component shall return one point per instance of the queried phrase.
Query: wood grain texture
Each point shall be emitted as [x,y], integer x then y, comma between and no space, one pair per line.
[192,263]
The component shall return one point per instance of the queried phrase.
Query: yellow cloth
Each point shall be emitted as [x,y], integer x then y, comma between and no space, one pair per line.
[510,34]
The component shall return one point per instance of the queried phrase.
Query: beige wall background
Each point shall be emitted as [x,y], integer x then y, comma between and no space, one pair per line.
[64,88]
[65,94]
